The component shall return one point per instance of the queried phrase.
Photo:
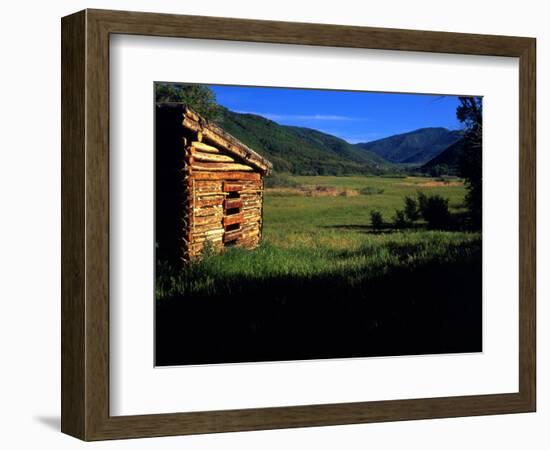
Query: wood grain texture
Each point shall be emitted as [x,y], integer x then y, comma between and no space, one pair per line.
[212,157]
[72,224]
[267,31]
[247,176]
[201,146]
[221,167]
[85,230]
[97,227]
[232,203]
[225,141]
[203,216]
[527,225]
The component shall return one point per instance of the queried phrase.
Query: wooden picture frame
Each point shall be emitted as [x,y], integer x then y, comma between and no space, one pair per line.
[85,224]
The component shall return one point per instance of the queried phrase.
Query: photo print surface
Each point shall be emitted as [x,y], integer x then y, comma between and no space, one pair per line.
[302,224]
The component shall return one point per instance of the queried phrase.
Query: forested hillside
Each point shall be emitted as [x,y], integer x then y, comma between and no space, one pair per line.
[301,151]
[415,147]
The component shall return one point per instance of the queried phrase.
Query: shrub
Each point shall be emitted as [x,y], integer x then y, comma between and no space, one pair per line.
[422,201]
[434,210]
[348,193]
[411,209]
[369,190]
[376,220]
[395,175]
[400,219]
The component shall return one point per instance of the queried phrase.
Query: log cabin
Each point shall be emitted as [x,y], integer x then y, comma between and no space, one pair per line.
[208,187]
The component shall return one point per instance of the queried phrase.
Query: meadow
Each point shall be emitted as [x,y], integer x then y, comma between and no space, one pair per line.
[324,284]
[348,210]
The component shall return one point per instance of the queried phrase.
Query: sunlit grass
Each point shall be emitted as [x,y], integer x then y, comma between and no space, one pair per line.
[307,237]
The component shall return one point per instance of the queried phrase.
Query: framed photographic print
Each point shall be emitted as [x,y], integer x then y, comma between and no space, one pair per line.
[270,224]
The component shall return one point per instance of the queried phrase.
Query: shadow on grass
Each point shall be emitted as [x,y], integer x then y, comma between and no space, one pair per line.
[366,229]
[431,308]
[459,221]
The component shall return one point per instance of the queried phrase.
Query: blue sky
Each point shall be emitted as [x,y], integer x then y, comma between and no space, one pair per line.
[353,116]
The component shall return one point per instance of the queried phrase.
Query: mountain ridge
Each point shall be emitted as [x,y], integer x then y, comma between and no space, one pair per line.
[306,151]
[447,161]
[298,150]
[413,147]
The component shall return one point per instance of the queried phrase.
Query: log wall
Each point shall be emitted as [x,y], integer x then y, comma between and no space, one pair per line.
[209,187]
[225,199]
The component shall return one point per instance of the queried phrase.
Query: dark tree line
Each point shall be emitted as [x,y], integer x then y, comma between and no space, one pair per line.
[470,114]
[200,98]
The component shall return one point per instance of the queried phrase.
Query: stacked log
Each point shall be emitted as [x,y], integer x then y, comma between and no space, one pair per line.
[239,176]
[188,203]
[220,139]
[225,189]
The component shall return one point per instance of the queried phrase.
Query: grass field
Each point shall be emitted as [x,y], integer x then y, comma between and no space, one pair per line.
[324,284]
[286,217]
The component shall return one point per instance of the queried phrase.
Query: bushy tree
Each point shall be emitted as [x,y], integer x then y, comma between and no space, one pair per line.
[199,97]
[422,202]
[411,209]
[400,219]
[441,169]
[376,220]
[470,114]
[434,210]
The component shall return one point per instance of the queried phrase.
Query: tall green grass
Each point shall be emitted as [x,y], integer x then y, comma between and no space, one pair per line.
[327,254]
[324,284]
[307,237]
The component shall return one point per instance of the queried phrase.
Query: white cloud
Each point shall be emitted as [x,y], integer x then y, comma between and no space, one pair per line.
[320,117]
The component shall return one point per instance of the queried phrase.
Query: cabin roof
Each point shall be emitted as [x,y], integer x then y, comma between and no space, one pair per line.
[213,133]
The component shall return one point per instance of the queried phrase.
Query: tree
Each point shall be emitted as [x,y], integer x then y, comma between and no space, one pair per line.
[199,97]
[400,219]
[376,220]
[470,114]
[411,209]
[434,210]
[439,170]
